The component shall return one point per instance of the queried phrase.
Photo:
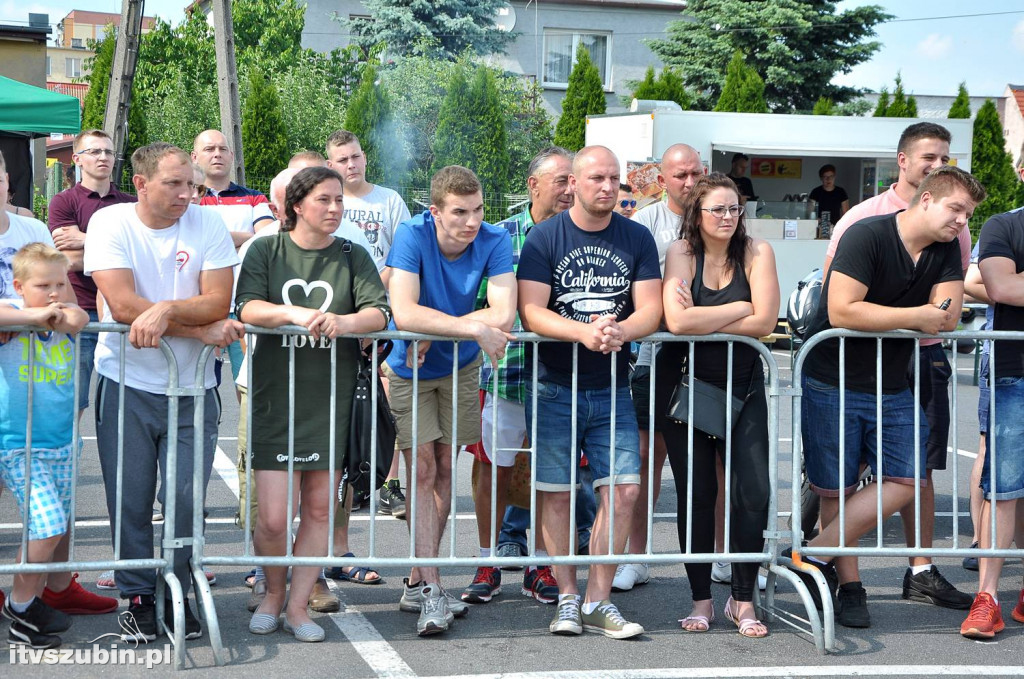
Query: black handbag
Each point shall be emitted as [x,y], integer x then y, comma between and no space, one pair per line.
[709,404]
[356,470]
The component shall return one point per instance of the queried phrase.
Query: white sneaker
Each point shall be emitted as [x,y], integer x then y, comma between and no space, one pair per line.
[762,582]
[721,571]
[629,575]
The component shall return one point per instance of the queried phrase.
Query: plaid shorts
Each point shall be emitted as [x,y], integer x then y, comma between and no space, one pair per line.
[52,478]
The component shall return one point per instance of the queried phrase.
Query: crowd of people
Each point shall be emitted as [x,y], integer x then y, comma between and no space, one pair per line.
[192,256]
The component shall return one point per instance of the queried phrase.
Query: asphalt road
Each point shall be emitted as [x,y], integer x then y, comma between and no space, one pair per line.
[508,637]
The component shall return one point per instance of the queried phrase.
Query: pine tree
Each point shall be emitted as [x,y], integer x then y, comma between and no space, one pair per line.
[883,103]
[911,107]
[743,90]
[452,140]
[667,87]
[100,66]
[264,138]
[371,118]
[490,150]
[992,166]
[584,96]
[898,107]
[824,107]
[961,107]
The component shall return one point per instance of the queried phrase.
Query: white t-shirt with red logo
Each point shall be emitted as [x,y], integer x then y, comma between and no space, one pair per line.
[166,264]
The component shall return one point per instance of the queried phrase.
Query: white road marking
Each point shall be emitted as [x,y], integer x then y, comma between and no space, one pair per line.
[227,470]
[762,671]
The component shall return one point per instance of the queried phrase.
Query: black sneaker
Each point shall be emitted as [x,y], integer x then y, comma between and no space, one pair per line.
[852,605]
[360,499]
[193,630]
[931,588]
[392,500]
[20,635]
[38,618]
[971,562]
[138,623]
[828,570]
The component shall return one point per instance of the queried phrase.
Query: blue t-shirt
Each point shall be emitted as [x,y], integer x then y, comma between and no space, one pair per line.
[589,273]
[53,393]
[449,286]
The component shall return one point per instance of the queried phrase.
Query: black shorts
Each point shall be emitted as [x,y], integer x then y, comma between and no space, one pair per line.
[934,398]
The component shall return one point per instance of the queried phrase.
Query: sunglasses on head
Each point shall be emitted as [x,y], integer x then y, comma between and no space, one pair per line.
[627,203]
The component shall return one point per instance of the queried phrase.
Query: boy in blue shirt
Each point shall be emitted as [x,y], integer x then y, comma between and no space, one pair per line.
[40,277]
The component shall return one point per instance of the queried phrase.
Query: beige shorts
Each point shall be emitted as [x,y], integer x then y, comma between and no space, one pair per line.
[434,407]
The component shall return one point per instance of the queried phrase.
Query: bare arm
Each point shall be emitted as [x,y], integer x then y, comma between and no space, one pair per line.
[536,317]
[681,316]
[847,309]
[974,286]
[76,257]
[73,319]
[764,295]
[1002,282]
[239,237]
[500,311]
[845,207]
[646,314]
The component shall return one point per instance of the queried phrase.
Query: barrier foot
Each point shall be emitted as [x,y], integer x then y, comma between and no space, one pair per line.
[207,612]
[177,600]
[822,629]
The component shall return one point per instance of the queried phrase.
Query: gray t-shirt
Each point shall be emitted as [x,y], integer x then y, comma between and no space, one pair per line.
[378,215]
[664,226]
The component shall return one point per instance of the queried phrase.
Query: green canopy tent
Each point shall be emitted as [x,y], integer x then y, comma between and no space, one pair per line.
[27,112]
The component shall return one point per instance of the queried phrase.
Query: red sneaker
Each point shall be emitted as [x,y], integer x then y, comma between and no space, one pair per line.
[1018,610]
[541,585]
[77,600]
[985,619]
[1,598]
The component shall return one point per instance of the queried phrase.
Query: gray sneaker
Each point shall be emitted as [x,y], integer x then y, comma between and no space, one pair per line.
[412,596]
[434,614]
[510,550]
[607,620]
[567,618]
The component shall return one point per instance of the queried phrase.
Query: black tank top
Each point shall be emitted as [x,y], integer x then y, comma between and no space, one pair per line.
[711,359]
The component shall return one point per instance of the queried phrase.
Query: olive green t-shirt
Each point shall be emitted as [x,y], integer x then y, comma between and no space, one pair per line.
[340,279]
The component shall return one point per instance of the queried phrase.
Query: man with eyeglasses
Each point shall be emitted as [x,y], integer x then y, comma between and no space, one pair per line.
[680,168]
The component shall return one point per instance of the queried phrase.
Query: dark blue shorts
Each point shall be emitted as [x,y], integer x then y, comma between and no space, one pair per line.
[820,419]
[1008,433]
[983,395]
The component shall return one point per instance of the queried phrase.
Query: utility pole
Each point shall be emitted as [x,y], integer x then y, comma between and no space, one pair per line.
[227,84]
[119,94]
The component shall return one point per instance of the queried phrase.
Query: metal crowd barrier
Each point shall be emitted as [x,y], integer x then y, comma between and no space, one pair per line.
[163,563]
[879,548]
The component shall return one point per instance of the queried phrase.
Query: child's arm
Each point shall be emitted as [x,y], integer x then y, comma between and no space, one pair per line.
[73,318]
[38,316]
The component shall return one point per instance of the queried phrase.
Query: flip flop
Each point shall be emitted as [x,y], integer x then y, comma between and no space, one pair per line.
[358,574]
[744,626]
[702,620]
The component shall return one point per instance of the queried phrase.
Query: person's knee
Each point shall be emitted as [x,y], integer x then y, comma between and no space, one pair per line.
[272,524]
[626,493]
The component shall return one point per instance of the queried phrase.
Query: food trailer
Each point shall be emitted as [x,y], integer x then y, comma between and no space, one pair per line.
[785,153]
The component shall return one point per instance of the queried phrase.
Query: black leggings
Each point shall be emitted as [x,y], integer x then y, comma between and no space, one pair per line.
[750,490]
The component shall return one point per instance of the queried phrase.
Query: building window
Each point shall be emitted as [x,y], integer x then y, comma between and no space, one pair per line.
[72,67]
[49,67]
[560,54]
[77,43]
[101,32]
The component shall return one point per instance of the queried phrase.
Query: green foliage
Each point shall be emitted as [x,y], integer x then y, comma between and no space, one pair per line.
[99,66]
[824,107]
[743,90]
[796,45]
[182,111]
[371,118]
[961,107]
[992,166]
[857,107]
[264,138]
[442,30]
[911,106]
[883,103]
[668,86]
[312,103]
[584,96]
[899,106]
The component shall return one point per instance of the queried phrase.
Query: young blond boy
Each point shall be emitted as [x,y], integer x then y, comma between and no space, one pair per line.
[40,277]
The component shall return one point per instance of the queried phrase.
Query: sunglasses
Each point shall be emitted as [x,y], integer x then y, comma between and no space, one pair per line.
[627,203]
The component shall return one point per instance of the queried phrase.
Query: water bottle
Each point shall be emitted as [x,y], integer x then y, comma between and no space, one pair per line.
[825,225]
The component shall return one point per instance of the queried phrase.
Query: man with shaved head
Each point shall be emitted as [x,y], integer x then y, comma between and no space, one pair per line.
[680,168]
[587,276]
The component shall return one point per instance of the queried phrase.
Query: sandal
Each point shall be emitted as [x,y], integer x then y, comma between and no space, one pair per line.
[703,621]
[357,574]
[745,626]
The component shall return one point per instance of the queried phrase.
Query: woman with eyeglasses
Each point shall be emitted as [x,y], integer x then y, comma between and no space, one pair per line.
[626,204]
[719,279]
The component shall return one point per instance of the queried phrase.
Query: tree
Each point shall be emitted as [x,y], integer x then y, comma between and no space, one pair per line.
[667,87]
[824,107]
[883,103]
[961,107]
[371,117]
[797,45]
[452,140]
[743,90]
[900,106]
[490,152]
[100,66]
[992,166]
[264,138]
[584,96]
[442,30]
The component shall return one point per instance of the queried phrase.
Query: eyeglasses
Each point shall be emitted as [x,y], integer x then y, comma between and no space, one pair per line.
[721,210]
[627,203]
[96,153]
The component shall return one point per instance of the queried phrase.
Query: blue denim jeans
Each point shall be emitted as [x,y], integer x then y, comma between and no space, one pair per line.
[1008,433]
[86,352]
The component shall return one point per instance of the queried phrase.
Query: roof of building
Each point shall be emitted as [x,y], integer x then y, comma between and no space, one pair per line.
[1018,94]
[103,18]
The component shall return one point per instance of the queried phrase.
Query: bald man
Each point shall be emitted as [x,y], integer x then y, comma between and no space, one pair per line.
[244,210]
[680,168]
[588,276]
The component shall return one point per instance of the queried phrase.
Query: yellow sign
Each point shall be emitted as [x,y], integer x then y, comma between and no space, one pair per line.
[776,168]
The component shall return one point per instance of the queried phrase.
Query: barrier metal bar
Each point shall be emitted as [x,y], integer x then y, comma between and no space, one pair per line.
[453,453]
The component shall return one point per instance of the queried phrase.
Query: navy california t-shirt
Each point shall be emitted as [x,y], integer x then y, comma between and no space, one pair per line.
[589,273]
